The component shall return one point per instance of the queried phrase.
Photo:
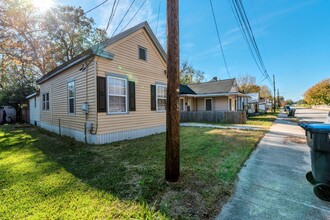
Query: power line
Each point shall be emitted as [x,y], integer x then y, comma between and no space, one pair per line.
[112,14]
[95,7]
[134,15]
[240,25]
[247,32]
[158,16]
[123,17]
[219,39]
[254,43]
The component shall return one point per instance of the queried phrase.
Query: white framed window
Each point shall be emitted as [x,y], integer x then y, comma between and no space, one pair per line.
[208,104]
[71,97]
[142,53]
[161,97]
[117,95]
[45,101]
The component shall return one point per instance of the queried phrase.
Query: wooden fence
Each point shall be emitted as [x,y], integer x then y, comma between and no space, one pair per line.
[224,117]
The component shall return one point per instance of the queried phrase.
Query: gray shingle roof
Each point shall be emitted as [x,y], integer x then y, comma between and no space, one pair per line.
[184,89]
[220,86]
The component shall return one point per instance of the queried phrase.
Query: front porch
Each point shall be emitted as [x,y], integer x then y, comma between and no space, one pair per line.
[213,103]
[223,117]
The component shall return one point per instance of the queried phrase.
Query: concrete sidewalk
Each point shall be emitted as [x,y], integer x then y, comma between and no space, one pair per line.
[272,184]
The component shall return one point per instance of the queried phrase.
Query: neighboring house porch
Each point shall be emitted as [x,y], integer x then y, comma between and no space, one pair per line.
[219,101]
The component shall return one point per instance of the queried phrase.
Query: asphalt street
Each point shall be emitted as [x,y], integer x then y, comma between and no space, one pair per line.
[311,115]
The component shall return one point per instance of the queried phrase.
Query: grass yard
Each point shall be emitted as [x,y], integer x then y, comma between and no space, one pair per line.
[45,176]
[264,120]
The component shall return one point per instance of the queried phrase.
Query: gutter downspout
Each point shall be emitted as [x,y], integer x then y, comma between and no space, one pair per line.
[96,113]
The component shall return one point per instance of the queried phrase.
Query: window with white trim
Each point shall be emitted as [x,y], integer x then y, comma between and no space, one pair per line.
[117,95]
[161,97]
[71,97]
[45,101]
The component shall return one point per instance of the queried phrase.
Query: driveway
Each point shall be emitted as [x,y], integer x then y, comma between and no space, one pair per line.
[272,183]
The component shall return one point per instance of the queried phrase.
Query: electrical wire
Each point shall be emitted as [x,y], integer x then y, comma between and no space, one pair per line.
[158,16]
[123,18]
[219,39]
[95,7]
[252,38]
[247,32]
[112,14]
[134,15]
[241,26]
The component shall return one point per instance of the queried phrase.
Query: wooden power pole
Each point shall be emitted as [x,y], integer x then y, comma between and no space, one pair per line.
[274,93]
[172,166]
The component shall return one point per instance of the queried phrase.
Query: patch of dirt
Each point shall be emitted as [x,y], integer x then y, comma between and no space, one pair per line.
[184,203]
[297,140]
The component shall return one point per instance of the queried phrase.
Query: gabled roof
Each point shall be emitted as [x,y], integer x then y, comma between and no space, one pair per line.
[184,89]
[130,31]
[220,86]
[98,50]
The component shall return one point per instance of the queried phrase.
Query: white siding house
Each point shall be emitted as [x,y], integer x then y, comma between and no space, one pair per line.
[34,108]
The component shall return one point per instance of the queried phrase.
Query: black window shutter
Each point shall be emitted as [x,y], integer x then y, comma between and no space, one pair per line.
[101,94]
[131,95]
[153,97]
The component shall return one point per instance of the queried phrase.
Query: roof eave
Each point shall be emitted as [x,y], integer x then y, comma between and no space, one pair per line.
[214,94]
[32,95]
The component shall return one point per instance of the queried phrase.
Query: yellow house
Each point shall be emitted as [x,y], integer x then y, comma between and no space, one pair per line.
[111,92]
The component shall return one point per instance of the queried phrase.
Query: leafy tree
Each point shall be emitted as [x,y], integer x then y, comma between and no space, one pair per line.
[265,92]
[33,43]
[318,94]
[190,75]
[247,84]
[289,102]
[70,32]
[301,102]
[16,84]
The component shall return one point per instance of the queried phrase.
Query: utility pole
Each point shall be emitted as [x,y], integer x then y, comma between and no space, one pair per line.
[278,98]
[274,93]
[172,163]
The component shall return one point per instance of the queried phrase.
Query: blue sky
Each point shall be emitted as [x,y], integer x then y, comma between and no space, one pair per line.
[292,35]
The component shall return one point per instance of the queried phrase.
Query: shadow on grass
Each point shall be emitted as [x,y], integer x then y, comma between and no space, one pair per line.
[134,170]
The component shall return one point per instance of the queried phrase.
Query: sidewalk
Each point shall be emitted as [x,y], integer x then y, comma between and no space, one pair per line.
[272,183]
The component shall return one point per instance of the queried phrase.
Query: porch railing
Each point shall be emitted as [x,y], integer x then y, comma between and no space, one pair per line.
[225,117]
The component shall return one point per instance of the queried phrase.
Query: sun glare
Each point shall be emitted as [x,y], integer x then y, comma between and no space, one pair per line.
[42,4]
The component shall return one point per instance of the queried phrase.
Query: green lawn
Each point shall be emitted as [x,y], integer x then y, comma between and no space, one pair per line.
[264,120]
[45,176]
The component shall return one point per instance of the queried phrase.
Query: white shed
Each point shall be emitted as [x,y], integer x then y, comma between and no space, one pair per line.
[34,107]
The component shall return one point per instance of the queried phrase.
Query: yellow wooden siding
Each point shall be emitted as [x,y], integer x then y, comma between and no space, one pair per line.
[144,73]
[58,95]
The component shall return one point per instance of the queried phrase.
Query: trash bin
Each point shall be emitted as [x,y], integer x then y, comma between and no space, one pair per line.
[318,139]
[292,112]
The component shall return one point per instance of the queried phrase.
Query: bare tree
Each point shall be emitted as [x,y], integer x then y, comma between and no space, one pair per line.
[247,84]
[190,75]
